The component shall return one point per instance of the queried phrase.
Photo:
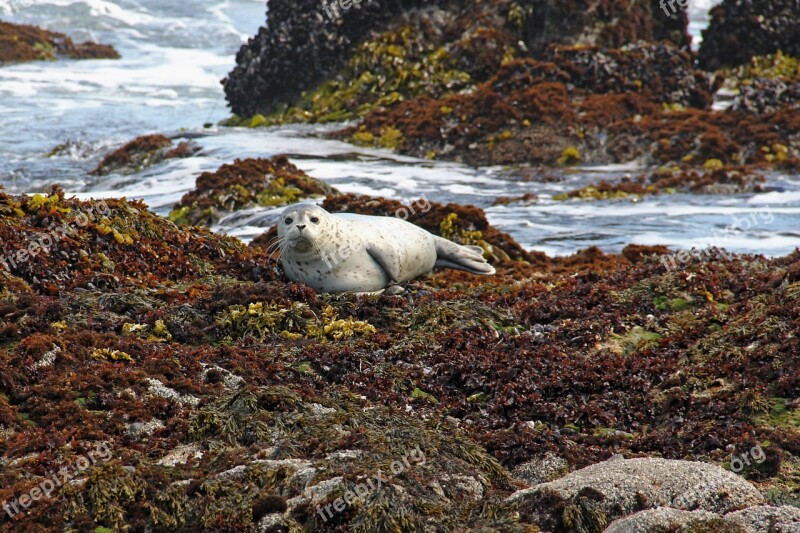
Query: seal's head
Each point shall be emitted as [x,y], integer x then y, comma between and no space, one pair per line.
[304,227]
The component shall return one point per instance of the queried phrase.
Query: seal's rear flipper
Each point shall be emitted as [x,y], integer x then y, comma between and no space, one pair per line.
[469,258]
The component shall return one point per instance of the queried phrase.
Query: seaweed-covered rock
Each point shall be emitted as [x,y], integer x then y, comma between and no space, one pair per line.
[599,23]
[54,244]
[588,107]
[714,179]
[741,29]
[374,56]
[589,499]
[766,83]
[143,152]
[245,183]
[20,42]
[184,383]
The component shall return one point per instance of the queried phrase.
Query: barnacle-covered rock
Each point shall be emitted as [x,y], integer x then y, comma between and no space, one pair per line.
[740,30]
[766,83]
[589,499]
[598,23]
[345,62]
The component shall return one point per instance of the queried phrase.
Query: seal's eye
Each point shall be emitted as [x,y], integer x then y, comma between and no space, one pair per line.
[315,220]
[288,221]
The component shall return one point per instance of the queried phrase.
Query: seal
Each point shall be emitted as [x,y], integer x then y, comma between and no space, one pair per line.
[345,252]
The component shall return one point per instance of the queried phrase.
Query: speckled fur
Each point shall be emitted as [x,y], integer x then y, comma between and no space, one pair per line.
[357,253]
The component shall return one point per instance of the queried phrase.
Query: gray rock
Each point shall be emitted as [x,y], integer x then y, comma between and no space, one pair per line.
[276,523]
[315,494]
[140,430]
[785,519]
[666,519]
[540,470]
[589,499]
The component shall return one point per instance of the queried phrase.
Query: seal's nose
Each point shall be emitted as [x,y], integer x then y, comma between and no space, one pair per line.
[301,226]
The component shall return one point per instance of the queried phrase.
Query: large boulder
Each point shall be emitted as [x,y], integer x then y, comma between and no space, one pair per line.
[668,519]
[742,29]
[304,44]
[589,499]
[600,23]
[785,519]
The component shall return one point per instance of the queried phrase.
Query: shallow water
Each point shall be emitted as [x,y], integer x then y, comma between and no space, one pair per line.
[168,80]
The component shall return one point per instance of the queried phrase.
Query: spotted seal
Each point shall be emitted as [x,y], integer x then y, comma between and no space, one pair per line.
[345,252]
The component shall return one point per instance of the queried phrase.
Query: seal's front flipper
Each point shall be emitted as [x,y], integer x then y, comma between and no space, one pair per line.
[469,258]
[388,260]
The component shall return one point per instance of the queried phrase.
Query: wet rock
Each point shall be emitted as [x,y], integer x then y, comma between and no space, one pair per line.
[141,153]
[593,497]
[740,30]
[295,51]
[246,183]
[598,23]
[561,112]
[301,47]
[20,42]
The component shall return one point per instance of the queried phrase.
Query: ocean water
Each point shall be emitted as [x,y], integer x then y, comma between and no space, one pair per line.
[168,81]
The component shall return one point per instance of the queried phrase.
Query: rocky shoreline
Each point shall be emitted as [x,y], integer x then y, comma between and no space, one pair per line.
[233,400]
[20,43]
[157,376]
[513,83]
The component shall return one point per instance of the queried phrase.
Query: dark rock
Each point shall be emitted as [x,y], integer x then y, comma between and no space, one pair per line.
[741,29]
[603,23]
[300,47]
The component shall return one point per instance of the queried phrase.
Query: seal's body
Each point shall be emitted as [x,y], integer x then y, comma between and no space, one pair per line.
[357,253]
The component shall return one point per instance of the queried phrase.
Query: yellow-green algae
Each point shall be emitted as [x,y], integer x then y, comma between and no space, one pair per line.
[260,320]
[380,73]
[774,66]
